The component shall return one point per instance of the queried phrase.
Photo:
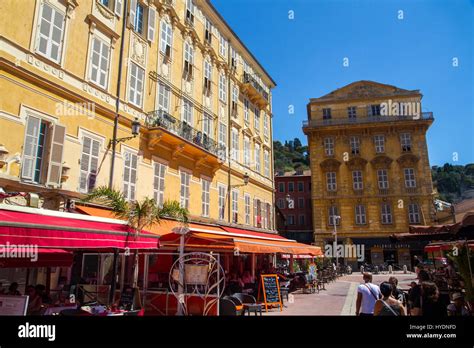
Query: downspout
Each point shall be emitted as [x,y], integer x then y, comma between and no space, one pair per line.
[113,286]
[229,140]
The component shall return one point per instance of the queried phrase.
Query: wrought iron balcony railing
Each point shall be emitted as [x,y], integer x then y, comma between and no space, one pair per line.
[247,78]
[161,119]
[364,120]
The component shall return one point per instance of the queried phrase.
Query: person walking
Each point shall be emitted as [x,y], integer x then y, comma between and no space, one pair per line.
[388,305]
[367,295]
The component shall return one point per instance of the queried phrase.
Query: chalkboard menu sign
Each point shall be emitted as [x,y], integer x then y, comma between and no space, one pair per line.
[271,290]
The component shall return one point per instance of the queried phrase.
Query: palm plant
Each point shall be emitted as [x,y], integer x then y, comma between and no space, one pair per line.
[139,214]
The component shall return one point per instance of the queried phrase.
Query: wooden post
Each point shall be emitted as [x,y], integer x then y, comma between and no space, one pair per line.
[291,263]
[252,264]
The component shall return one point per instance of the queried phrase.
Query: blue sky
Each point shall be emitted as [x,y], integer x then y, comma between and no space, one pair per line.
[305,56]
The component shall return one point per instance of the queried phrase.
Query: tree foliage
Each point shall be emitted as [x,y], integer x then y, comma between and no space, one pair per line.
[290,156]
[452,180]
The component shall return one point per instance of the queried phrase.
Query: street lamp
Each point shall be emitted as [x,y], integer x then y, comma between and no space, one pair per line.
[182,231]
[334,222]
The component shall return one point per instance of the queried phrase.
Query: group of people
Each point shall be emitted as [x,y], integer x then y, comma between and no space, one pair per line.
[423,299]
[238,283]
[37,297]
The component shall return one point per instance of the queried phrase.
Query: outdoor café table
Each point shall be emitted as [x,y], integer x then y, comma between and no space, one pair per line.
[56,310]
[253,307]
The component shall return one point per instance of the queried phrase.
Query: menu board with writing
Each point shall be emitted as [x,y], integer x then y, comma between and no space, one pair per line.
[271,290]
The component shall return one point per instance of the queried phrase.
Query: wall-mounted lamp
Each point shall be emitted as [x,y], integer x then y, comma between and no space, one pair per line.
[135,131]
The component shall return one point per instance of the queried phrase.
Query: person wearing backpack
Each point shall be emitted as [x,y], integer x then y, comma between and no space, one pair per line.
[367,295]
[388,305]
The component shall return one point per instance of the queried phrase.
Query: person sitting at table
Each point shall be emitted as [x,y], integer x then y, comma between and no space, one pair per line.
[235,283]
[41,291]
[13,289]
[35,303]
[247,278]
[458,307]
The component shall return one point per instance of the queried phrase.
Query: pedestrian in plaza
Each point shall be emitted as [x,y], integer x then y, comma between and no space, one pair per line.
[430,305]
[367,295]
[397,293]
[415,294]
[388,305]
[416,264]
[458,307]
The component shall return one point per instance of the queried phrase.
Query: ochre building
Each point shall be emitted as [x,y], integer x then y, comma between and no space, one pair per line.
[370,168]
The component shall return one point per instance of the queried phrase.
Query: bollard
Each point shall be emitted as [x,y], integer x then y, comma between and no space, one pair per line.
[405,269]
[362,269]
[390,269]
[376,270]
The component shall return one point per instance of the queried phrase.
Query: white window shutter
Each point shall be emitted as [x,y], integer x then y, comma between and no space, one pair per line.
[118,7]
[151,24]
[56,156]
[132,13]
[30,147]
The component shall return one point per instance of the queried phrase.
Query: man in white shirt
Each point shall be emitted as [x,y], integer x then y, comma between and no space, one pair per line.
[367,295]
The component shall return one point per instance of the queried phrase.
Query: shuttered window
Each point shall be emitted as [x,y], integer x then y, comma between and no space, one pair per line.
[166,38]
[247,209]
[135,92]
[159,183]
[130,175]
[221,202]
[205,197]
[151,24]
[89,164]
[184,191]
[50,34]
[99,63]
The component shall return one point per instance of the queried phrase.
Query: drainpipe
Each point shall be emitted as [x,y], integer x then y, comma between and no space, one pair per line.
[113,286]
[229,139]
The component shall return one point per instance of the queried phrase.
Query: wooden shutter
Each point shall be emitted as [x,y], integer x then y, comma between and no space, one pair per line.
[132,13]
[30,147]
[151,24]
[56,156]
[118,7]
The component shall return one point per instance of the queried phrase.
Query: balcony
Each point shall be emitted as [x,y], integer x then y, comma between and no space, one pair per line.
[164,127]
[254,91]
[424,117]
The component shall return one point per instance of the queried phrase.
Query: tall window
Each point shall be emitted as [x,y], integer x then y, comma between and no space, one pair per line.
[326,114]
[99,63]
[331,181]
[235,206]
[187,116]
[379,141]
[405,142]
[235,99]
[333,215]
[50,33]
[222,141]
[207,77]
[188,61]
[208,31]
[257,158]
[300,202]
[360,214]
[382,178]
[184,189]
[159,183]
[164,93]
[130,175]
[281,187]
[291,186]
[247,209]
[222,194]
[246,110]
[135,90]
[205,197]
[290,219]
[300,186]
[222,88]
[207,126]
[223,46]
[190,11]
[414,213]
[266,163]
[302,220]
[373,110]
[410,180]
[257,207]
[256,119]
[235,144]
[166,39]
[41,138]
[281,203]
[265,125]
[351,112]
[329,146]
[357,182]
[89,164]
[246,151]
[355,145]
[386,213]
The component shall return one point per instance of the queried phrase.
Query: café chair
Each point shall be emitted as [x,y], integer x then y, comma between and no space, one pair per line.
[227,307]
[237,303]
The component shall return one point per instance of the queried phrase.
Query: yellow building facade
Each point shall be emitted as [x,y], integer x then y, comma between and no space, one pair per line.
[202,100]
[370,168]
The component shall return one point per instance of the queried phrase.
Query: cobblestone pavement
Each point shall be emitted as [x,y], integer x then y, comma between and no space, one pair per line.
[339,298]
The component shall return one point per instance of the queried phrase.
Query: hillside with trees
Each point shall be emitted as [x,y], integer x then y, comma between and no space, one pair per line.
[452,180]
[291,155]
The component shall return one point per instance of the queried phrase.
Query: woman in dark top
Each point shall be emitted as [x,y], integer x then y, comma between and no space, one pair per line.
[388,305]
[431,306]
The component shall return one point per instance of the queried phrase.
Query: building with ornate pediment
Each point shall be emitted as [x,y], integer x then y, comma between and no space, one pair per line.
[370,168]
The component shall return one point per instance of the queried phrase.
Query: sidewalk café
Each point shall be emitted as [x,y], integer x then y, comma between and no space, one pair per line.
[76,255]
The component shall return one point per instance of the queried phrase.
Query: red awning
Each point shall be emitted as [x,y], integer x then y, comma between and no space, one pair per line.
[41,257]
[56,230]
[248,233]
[446,246]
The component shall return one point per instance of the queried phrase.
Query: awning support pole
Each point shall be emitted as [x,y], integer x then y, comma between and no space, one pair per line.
[113,286]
